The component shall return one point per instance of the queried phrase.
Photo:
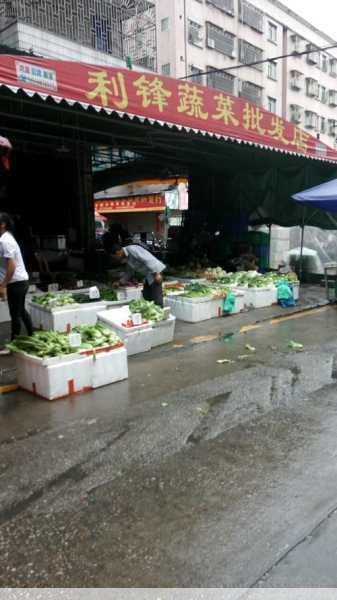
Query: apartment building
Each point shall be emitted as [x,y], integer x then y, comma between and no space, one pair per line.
[103,32]
[197,36]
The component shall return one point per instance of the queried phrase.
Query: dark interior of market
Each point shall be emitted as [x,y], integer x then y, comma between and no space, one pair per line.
[52,181]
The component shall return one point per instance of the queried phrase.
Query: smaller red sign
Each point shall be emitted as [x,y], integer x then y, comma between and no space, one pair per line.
[151,203]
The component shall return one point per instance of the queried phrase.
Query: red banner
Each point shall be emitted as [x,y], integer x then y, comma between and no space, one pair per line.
[150,203]
[160,99]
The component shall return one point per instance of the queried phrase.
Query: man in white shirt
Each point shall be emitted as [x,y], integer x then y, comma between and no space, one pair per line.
[13,277]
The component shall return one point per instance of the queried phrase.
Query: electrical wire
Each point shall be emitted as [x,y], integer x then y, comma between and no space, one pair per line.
[259,62]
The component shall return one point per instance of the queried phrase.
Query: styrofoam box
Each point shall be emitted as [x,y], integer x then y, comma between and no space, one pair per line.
[239,303]
[130,293]
[296,288]
[163,332]
[137,339]
[258,297]
[194,310]
[64,319]
[109,367]
[4,312]
[54,378]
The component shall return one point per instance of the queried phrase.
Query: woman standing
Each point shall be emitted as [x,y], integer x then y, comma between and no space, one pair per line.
[14,277]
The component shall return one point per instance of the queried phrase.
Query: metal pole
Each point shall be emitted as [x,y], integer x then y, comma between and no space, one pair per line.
[301,254]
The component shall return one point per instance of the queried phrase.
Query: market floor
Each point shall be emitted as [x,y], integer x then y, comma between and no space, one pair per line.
[193,473]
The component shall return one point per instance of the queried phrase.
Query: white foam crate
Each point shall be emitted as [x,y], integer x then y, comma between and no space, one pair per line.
[4,312]
[239,303]
[54,378]
[296,288]
[137,339]
[108,367]
[64,319]
[258,297]
[163,332]
[130,293]
[195,310]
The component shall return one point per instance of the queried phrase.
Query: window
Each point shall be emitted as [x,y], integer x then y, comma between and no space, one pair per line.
[249,54]
[324,63]
[195,34]
[251,92]
[272,32]
[166,69]
[323,125]
[198,77]
[165,24]
[332,127]
[296,80]
[220,40]
[333,67]
[295,113]
[220,80]
[333,98]
[297,43]
[312,87]
[323,94]
[311,120]
[313,56]
[272,70]
[272,104]
[249,15]
[226,6]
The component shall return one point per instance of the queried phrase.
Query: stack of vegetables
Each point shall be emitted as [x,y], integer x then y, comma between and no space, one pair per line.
[198,290]
[49,344]
[108,295]
[149,310]
[51,300]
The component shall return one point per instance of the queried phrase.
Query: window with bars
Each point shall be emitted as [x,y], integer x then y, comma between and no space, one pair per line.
[251,92]
[116,28]
[333,67]
[323,94]
[220,40]
[220,80]
[313,58]
[226,6]
[250,15]
[197,73]
[272,104]
[311,120]
[312,87]
[332,127]
[166,69]
[333,98]
[323,125]
[195,33]
[296,113]
[296,80]
[272,70]
[249,54]
[272,32]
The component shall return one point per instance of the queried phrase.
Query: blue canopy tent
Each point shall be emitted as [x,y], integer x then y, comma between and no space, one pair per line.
[320,197]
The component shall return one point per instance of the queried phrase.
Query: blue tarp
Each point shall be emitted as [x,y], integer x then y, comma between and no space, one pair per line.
[321,196]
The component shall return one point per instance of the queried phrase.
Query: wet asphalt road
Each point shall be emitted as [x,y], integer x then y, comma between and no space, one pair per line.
[190,474]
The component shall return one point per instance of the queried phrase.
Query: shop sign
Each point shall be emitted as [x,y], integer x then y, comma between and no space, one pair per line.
[164,100]
[153,202]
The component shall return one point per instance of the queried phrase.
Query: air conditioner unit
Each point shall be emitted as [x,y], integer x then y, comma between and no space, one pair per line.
[210,43]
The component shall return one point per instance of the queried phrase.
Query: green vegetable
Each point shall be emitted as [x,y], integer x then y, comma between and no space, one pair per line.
[48,344]
[149,310]
[295,346]
[50,300]
[108,295]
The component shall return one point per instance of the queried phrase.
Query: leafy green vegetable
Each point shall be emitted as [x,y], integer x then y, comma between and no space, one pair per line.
[51,299]
[48,344]
[149,310]
[108,295]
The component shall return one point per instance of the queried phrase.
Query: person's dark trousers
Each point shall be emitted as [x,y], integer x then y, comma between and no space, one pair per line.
[16,296]
[153,293]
